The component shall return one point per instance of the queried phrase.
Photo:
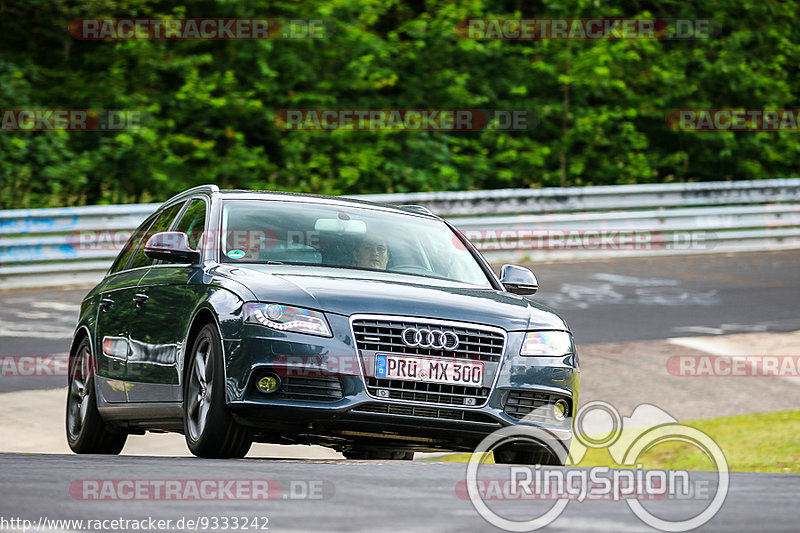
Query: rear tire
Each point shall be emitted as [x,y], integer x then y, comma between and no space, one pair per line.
[209,428]
[86,431]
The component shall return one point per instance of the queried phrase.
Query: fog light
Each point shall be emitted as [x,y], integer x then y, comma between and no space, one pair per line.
[560,409]
[268,384]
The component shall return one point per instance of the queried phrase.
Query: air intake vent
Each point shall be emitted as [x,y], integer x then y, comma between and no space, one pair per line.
[425,412]
[395,389]
[309,389]
[539,405]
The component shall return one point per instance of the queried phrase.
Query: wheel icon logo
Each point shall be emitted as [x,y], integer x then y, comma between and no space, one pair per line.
[626,439]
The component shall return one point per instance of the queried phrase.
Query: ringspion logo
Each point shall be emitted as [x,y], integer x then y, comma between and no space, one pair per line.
[599,484]
[626,440]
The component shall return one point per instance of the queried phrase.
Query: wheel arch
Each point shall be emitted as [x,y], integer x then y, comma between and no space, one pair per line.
[203,316]
[81,332]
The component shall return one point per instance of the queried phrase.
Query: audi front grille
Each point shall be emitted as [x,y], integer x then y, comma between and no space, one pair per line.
[384,335]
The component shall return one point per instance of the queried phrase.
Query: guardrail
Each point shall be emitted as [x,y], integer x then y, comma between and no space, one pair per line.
[42,247]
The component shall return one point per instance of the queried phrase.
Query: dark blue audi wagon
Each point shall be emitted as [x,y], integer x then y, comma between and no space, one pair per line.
[236,317]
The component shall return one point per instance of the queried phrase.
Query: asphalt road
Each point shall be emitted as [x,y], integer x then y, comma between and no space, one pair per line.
[616,300]
[633,299]
[353,496]
[603,301]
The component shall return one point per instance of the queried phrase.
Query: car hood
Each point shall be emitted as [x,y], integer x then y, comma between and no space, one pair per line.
[347,292]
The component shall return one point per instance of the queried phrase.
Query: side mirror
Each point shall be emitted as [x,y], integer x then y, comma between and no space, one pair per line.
[170,246]
[518,280]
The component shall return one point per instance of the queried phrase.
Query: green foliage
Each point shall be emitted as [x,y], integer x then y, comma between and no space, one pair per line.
[601,105]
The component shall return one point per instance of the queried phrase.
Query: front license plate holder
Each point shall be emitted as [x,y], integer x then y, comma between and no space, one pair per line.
[463,372]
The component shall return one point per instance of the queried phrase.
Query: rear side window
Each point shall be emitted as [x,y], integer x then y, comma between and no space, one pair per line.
[193,222]
[162,223]
[132,244]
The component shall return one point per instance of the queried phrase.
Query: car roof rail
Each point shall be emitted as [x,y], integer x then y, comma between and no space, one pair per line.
[208,188]
[418,208]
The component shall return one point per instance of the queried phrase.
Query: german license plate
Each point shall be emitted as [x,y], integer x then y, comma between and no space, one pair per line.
[429,369]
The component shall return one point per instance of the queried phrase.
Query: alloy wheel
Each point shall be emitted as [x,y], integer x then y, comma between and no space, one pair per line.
[79,391]
[200,388]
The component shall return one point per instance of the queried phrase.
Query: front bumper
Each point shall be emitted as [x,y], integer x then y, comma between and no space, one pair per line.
[353,414]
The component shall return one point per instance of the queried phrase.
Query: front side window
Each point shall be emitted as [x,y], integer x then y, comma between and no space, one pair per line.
[132,245]
[162,223]
[267,231]
[193,222]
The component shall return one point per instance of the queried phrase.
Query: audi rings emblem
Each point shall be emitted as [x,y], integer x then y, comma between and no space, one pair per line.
[430,338]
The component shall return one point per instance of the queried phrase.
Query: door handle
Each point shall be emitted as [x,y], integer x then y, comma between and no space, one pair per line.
[105,303]
[140,298]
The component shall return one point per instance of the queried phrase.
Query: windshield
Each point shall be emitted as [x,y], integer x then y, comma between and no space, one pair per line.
[267,231]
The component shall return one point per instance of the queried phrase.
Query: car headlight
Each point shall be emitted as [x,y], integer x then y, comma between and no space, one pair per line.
[286,318]
[547,343]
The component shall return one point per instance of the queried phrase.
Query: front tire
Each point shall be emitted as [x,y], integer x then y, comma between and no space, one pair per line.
[209,428]
[86,431]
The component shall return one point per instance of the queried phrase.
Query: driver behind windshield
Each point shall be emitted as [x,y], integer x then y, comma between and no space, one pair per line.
[372,252]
